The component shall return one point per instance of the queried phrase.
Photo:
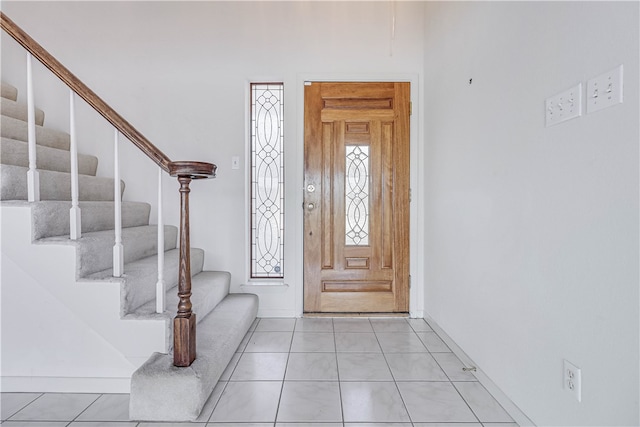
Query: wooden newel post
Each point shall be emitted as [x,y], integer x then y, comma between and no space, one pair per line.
[184,324]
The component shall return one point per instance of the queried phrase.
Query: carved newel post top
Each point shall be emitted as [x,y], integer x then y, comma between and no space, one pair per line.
[194,170]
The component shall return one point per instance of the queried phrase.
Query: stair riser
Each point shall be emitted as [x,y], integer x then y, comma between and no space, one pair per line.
[208,289]
[16,153]
[52,218]
[139,290]
[54,185]
[19,111]
[95,252]
[18,129]
[8,91]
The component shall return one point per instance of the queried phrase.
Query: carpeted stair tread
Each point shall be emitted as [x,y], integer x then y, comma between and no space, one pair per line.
[208,288]
[8,91]
[141,276]
[162,392]
[51,218]
[18,129]
[19,110]
[94,251]
[54,185]
[16,153]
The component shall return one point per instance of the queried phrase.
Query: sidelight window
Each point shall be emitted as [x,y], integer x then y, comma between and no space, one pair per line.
[267,180]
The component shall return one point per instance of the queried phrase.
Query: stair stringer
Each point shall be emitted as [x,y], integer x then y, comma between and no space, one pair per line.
[94,305]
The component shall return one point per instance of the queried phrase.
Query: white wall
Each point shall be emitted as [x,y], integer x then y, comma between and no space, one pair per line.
[532,232]
[179,72]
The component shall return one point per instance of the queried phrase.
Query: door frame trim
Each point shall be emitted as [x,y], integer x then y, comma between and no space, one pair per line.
[416,211]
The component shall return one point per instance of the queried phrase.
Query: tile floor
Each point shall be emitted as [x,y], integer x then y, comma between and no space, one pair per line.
[314,372]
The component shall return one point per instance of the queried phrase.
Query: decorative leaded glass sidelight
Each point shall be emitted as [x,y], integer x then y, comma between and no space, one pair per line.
[267,180]
[357,195]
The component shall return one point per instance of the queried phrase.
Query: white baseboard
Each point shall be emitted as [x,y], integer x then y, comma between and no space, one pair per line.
[64,385]
[276,313]
[512,409]
[417,314]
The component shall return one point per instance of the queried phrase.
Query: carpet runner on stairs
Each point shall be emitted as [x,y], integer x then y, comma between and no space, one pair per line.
[16,153]
[159,391]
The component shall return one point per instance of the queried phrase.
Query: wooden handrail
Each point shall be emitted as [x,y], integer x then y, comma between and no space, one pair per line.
[184,333]
[83,91]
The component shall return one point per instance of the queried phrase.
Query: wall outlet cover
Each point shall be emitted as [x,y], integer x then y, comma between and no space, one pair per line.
[572,379]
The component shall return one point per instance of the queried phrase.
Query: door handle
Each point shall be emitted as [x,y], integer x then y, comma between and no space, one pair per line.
[310,206]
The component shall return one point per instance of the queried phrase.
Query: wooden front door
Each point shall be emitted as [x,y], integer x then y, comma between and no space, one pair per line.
[356,197]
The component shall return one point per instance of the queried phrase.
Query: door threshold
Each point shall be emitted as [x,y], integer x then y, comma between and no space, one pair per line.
[400,315]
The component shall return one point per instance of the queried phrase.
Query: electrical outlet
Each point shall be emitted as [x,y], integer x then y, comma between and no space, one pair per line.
[572,378]
[564,106]
[605,90]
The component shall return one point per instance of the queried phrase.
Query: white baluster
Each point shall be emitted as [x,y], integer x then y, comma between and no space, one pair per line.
[160,288]
[118,249]
[33,177]
[75,215]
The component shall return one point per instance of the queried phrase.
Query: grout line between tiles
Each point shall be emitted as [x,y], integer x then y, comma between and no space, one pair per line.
[384,355]
[485,389]
[85,409]
[335,347]
[231,374]
[465,402]
[440,366]
[26,404]
[286,366]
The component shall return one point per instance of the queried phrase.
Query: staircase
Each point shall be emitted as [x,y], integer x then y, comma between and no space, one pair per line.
[72,322]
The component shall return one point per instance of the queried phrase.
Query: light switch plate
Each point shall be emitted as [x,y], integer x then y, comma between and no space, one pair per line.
[605,90]
[564,106]
[235,162]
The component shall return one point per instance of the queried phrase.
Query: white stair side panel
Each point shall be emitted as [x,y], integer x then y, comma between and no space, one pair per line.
[41,337]
[96,304]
